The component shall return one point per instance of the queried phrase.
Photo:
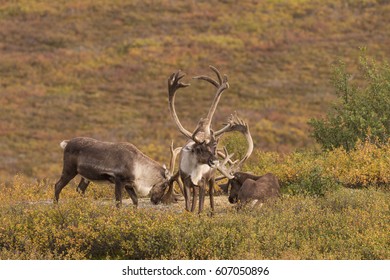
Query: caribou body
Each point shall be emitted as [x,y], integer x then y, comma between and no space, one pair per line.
[246,187]
[122,164]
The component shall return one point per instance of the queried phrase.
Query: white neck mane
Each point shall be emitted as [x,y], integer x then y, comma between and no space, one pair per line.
[190,166]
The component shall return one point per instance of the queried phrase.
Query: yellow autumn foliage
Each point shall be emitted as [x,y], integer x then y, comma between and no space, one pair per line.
[367,165]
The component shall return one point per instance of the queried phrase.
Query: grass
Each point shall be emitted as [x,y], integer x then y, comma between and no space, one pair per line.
[349,224]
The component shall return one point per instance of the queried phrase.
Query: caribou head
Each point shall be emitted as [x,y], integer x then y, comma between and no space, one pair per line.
[158,192]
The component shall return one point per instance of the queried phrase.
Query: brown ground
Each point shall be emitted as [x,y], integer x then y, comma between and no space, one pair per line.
[221,204]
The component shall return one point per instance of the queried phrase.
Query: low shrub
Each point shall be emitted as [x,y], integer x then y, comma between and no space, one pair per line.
[315,174]
[348,224]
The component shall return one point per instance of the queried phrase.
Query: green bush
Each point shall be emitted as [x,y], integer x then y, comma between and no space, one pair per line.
[314,182]
[362,110]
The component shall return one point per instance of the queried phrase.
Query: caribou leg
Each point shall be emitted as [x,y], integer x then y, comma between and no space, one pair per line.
[187,189]
[132,194]
[211,183]
[194,195]
[83,185]
[202,193]
[187,197]
[118,192]
[62,182]
[187,194]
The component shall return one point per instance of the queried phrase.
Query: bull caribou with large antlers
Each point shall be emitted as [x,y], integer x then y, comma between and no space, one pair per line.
[199,157]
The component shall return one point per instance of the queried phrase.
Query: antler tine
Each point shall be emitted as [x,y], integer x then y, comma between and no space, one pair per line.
[237,119]
[174,82]
[221,80]
[207,79]
[228,157]
[227,172]
[234,123]
[174,153]
[224,157]
[215,70]
[173,85]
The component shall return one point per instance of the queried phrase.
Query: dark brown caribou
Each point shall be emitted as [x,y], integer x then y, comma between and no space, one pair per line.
[246,187]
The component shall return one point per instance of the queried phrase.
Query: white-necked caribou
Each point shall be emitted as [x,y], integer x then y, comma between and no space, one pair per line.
[199,157]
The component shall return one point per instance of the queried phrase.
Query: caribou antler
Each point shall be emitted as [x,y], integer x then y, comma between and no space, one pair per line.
[174,153]
[236,124]
[173,85]
[226,171]
[170,196]
[210,80]
[203,132]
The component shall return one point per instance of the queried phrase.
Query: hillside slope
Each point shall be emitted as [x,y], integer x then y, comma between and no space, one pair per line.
[99,69]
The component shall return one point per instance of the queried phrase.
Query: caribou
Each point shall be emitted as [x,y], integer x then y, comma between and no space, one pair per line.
[122,164]
[246,187]
[198,159]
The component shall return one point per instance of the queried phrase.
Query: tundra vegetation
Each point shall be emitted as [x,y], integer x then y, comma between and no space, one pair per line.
[99,69]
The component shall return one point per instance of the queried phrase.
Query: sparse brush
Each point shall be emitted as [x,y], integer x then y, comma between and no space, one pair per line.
[348,224]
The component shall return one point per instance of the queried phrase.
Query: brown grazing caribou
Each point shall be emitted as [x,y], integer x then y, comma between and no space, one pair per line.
[119,163]
[198,160]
